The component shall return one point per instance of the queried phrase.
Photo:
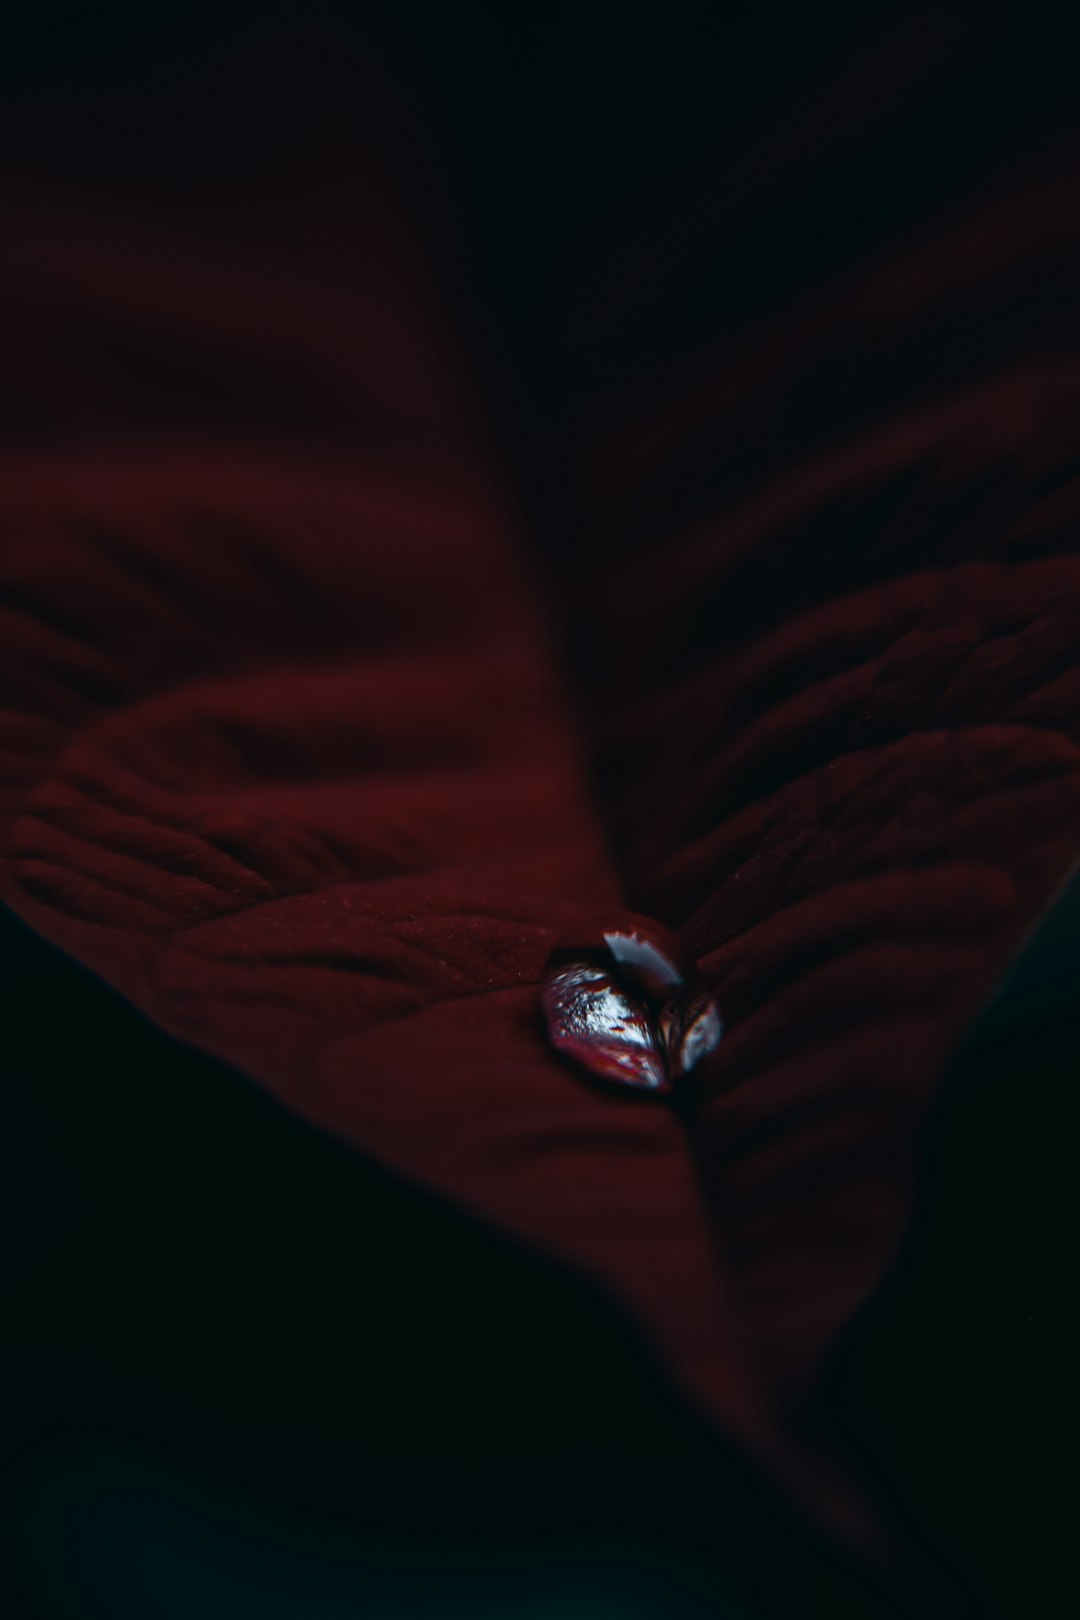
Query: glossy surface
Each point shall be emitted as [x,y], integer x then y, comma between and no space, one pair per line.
[595,1021]
[622,1009]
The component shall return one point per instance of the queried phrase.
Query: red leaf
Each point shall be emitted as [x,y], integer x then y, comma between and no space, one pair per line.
[290,756]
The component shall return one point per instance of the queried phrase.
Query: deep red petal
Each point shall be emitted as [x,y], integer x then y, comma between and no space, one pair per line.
[289,752]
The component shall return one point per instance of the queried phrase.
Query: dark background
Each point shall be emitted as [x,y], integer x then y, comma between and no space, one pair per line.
[250,1375]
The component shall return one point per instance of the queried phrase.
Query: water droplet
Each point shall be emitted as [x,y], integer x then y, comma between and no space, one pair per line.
[596,1023]
[619,1005]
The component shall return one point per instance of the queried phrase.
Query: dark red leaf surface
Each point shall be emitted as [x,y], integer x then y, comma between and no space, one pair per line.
[294,754]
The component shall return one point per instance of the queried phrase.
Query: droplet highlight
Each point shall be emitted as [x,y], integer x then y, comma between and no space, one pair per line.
[620,1006]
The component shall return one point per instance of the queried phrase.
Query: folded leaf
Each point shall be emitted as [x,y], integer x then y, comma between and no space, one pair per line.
[294,752]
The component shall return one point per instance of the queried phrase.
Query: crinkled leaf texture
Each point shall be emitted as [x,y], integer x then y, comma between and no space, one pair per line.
[291,755]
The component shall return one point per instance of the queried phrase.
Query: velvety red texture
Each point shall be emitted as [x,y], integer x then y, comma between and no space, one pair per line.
[293,754]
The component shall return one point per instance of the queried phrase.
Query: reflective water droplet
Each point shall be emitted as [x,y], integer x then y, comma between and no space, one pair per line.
[619,1005]
[643,963]
[690,1028]
[593,1021]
